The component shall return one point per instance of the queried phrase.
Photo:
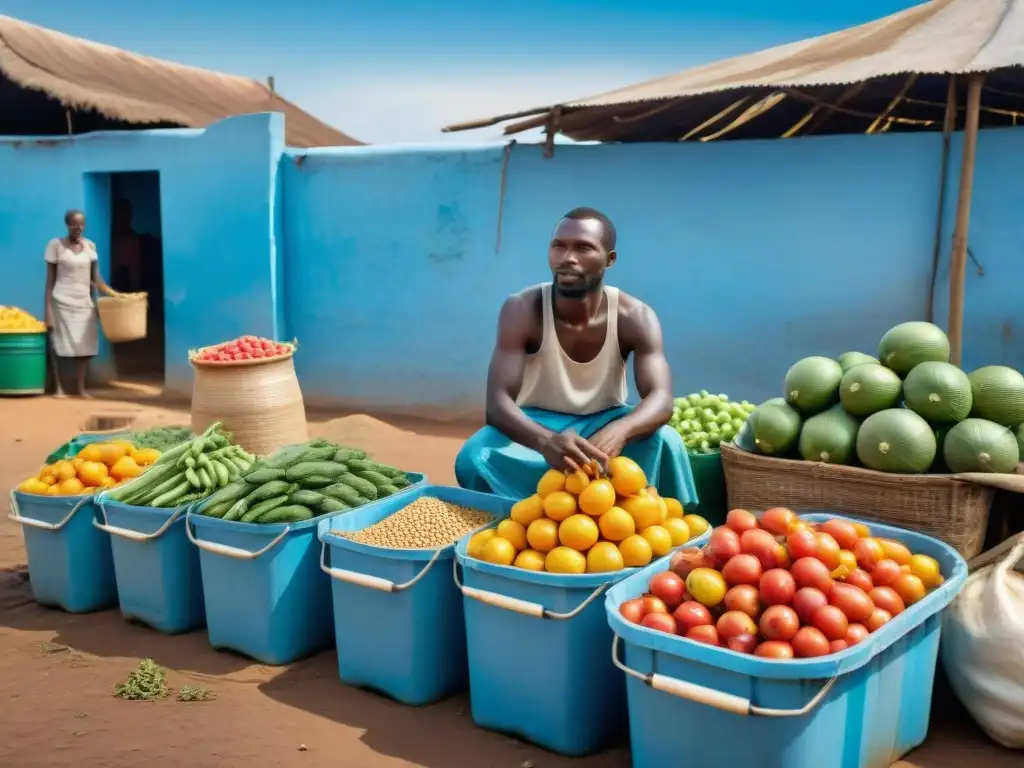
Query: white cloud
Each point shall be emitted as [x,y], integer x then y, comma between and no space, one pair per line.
[410,107]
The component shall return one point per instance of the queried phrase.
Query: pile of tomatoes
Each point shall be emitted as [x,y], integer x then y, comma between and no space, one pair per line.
[780,587]
[243,349]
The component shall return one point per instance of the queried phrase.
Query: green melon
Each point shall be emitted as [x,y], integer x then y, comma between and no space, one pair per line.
[977,445]
[829,437]
[939,466]
[910,344]
[868,389]
[812,384]
[775,426]
[848,360]
[896,440]
[998,395]
[940,392]
[1020,439]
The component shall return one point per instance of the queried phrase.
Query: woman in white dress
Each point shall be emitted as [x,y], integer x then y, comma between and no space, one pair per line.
[71,276]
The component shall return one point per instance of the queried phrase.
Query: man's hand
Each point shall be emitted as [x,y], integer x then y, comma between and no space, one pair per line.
[567,450]
[611,438]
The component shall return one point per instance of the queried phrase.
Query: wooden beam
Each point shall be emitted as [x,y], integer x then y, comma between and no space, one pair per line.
[958,257]
[948,125]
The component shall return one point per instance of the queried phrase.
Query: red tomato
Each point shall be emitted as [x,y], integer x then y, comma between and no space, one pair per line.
[852,601]
[856,633]
[258,353]
[777,587]
[689,559]
[723,545]
[777,520]
[885,572]
[831,621]
[774,649]
[869,553]
[704,634]
[654,604]
[662,622]
[809,642]
[802,544]
[741,520]
[761,545]
[828,551]
[779,622]
[811,572]
[633,610]
[735,623]
[669,587]
[859,578]
[742,569]
[909,587]
[887,599]
[744,598]
[838,646]
[742,643]
[842,531]
[691,614]
[877,620]
[806,601]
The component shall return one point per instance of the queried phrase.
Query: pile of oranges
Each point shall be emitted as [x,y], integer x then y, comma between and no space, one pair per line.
[97,466]
[582,522]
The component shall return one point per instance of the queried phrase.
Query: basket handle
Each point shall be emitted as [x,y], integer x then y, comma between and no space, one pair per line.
[516,605]
[229,551]
[1003,481]
[128,533]
[373,582]
[709,697]
[15,515]
[1015,542]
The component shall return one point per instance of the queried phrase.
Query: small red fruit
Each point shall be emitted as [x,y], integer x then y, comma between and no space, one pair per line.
[669,588]
[744,598]
[856,633]
[779,622]
[741,520]
[654,604]
[777,520]
[723,545]
[806,601]
[742,643]
[809,643]
[811,572]
[802,544]
[661,622]
[774,649]
[831,621]
[742,569]
[704,634]
[691,614]
[777,587]
[860,578]
[735,623]
[633,610]
[761,545]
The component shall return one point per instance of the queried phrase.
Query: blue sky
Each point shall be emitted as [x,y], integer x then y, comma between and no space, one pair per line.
[397,71]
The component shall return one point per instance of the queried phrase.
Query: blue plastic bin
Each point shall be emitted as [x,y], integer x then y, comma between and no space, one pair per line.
[69,562]
[412,647]
[157,569]
[265,594]
[538,655]
[865,707]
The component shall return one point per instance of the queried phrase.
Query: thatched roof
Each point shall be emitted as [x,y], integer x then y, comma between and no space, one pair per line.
[130,88]
[888,74]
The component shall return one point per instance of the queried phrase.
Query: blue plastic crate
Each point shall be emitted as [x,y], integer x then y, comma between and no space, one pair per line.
[865,707]
[538,655]
[157,569]
[265,594]
[69,562]
[414,647]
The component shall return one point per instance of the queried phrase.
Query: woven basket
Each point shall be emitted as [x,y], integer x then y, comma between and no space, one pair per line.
[258,401]
[123,317]
[944,506]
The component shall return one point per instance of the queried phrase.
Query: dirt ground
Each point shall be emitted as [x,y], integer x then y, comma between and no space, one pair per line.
[57,671]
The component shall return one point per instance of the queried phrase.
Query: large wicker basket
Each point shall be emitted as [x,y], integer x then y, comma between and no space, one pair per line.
[948,507]
[259,402]
[123,317]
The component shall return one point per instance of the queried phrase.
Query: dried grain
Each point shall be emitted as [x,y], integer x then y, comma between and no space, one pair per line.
[426,523]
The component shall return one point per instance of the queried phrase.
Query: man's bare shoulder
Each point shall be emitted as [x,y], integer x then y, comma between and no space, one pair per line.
[639,326]
[633,310]
[523,305]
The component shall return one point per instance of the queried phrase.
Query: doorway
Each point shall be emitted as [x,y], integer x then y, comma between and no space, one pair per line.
[136,264]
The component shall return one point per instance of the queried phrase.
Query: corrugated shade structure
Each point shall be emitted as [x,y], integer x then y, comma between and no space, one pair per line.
[889,74]
[125,87]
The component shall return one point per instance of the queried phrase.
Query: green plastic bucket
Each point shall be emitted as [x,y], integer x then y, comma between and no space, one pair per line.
[709,480]
[22,363]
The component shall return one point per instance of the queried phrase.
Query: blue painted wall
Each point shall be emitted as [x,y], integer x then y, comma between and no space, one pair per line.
[217,190]
[385,262]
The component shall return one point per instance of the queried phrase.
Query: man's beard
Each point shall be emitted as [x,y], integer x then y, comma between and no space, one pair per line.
[580,289]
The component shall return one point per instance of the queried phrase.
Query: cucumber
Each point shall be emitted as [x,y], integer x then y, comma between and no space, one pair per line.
[343,454]
[231,493]
[290,513]
[297,472]
[255,511]
[269,491]
[330,504]
[221,473]
[171,497]
[193,477]
[386,490]
[343,493]
[205,480]
[307,498]
[364,488]
[317,481]
[374,477]
[285,457]
[216,510]
[362,465]
[264,475]
[401,481]
[237,509]
[319,453]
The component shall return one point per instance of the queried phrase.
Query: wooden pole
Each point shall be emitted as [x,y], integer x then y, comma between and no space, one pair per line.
[958,258]
[948,125]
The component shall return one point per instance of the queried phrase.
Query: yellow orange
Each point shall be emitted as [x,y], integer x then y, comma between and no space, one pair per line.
[476,542]
[559,505]
[514,532]
[675,509]
[636,551]
[33,485]
[659,538]
[598,497]
[125,468]
[576,481]
[616,524]
[529,560]
[91,452]
[926,569]
[551,481]
[578,532]
[604,557]
[698,525]
[70,487]
[64,470]
[678,530]
[626,476]
[111,452]
[144,456]
[92,473]
[498,551]
[565,560]
[108,482]
[644,508]
[528,510]
[542,535]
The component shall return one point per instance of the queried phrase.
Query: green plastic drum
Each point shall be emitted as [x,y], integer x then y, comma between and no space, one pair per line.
[709,479]
[22,363]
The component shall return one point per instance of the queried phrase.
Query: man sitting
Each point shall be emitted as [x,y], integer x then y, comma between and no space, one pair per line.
[556,386]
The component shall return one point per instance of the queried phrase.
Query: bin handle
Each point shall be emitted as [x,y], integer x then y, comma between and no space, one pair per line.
[128,533]
[727,702]
[373,582]
[516,605]
[229,551]
[15,515]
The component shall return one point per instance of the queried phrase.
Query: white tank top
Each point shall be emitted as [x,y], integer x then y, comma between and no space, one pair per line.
[555,382]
